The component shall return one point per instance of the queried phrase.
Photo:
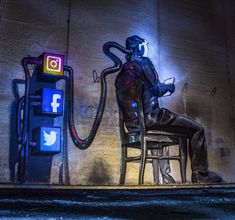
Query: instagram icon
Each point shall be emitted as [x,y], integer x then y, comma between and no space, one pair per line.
[53,64]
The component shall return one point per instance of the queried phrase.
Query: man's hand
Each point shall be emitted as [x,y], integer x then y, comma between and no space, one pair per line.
[161,89]
[170,87]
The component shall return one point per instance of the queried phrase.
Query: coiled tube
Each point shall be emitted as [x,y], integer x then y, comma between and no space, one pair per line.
[85,143]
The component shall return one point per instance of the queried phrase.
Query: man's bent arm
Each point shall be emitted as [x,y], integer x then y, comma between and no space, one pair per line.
[151,80]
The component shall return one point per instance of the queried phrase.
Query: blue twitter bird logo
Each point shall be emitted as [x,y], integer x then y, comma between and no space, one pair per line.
[49,139]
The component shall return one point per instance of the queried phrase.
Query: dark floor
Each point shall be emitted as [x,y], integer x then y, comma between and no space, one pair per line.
[172,202]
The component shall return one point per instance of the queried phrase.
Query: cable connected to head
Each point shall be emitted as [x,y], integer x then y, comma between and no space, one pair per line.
[85,143]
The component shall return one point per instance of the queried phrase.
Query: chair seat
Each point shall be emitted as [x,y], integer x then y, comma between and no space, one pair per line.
[155,140]
[165,133]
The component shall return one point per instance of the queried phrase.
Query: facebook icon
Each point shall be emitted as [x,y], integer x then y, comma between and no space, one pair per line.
[52,101]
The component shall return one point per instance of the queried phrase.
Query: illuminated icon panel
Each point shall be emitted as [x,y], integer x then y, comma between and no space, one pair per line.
[48,140]
[53,64]
[52,101]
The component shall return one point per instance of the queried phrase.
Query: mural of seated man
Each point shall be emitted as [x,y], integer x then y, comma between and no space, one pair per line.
[139,67]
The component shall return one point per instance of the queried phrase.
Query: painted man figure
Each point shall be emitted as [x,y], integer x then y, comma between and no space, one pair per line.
[139,67]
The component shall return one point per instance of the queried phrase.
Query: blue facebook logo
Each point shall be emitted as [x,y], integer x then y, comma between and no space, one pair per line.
[52,101]
[50,140]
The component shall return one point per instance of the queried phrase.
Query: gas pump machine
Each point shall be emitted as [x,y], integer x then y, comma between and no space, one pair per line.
[40,111]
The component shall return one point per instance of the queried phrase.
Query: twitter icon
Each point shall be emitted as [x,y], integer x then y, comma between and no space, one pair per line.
[48,140]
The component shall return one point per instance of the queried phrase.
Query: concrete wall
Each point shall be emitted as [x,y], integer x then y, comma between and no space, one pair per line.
[27,28]
[193,49]
[190,40]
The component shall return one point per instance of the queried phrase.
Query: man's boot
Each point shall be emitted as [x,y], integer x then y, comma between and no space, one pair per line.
[207,177]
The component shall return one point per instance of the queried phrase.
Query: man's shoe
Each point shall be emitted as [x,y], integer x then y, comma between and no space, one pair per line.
[208,177]
[168,179]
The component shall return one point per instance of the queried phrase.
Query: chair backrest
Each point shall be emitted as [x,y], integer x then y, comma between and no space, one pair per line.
[140,114]
[141,118]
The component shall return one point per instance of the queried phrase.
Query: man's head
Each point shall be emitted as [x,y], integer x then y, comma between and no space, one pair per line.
[137,45]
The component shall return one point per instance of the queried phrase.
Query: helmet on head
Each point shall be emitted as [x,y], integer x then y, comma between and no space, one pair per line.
[136,45]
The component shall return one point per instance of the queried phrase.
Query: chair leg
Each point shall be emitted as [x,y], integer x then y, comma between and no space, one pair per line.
[183,158]
[142,161]
[123,166]
[155,165]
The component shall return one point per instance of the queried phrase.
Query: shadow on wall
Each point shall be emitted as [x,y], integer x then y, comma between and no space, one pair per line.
[99,174]
[14,151]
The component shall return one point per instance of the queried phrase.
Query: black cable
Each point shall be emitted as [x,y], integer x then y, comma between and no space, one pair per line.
[68,33]
[64,169]
[85,143]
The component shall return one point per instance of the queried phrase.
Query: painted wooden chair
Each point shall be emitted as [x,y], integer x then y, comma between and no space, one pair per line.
[147,141]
